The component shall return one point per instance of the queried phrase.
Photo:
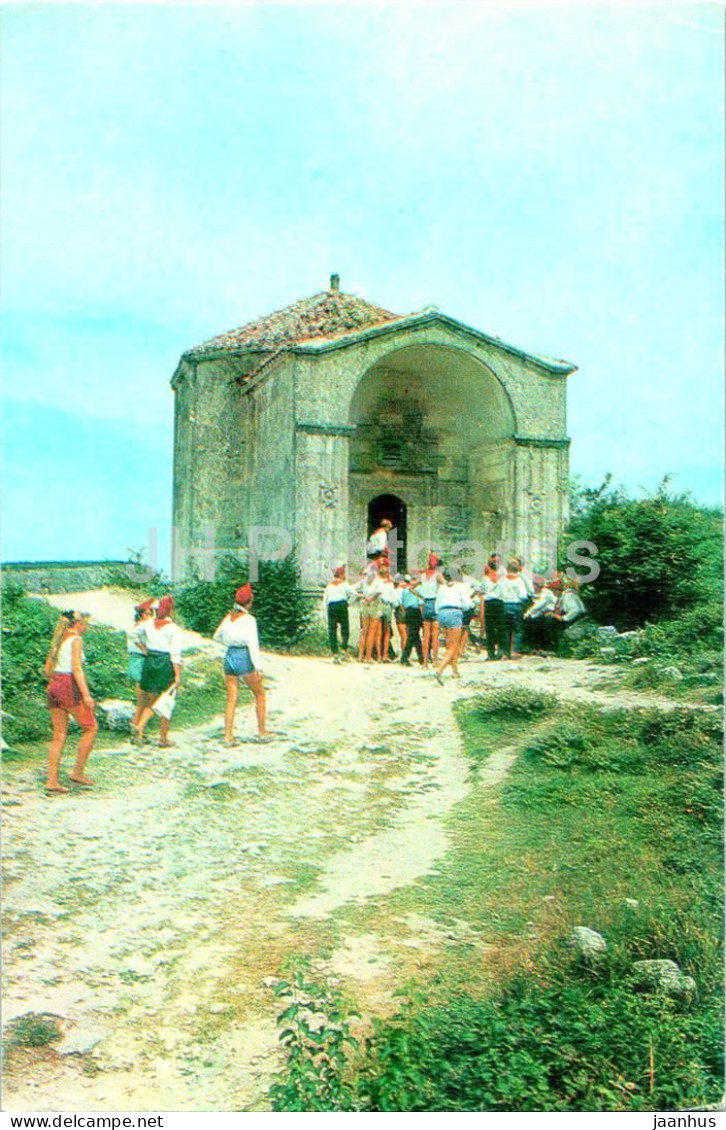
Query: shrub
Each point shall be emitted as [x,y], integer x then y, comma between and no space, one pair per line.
[659,556]
[35,1030]
[280,606]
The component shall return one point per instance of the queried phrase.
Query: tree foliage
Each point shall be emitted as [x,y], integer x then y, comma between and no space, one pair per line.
[659,556]
[280,606]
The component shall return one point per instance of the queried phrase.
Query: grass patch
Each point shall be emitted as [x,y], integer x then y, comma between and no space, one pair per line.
[610,819]
[35,1030]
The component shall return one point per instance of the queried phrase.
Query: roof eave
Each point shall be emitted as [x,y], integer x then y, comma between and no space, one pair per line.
[326,345]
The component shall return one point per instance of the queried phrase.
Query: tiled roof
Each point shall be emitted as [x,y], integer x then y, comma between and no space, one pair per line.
[326,315]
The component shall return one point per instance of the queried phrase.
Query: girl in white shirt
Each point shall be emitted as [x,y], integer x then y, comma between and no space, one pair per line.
[68,693]
[238,633]
[161,641]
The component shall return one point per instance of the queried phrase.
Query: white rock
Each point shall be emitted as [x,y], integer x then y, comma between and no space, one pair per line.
[588,942]
[81,1041]
[118,713]
[641,660]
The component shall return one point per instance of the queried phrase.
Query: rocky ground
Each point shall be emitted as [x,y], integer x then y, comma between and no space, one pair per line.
[150,914]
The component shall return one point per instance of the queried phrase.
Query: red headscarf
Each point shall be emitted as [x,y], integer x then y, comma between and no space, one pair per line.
[166,605]
[243,595]
[144,606]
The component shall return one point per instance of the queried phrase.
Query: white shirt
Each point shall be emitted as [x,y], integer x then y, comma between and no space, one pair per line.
[511,589]
[388,594]
[429,586]
[372,587]
[337,593]
[545,602]
[452,595]
[132,639]
[166,638]
[377,542]
[241,632]
[472,589]
[571,606]
[64,660]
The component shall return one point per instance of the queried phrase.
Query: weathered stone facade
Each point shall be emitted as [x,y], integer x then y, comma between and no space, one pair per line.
[333,413]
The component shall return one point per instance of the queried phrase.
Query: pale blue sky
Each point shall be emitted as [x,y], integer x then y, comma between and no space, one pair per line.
[551,174]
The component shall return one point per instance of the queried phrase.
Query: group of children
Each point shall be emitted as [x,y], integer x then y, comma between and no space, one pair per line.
[514,609]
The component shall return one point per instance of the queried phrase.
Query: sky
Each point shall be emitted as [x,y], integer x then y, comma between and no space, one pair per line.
[551,174]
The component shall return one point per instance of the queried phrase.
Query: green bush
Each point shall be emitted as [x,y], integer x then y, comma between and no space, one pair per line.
[280,606]
[659,556]
[35,1030]
[28,625]
[565,1038]
[519,703]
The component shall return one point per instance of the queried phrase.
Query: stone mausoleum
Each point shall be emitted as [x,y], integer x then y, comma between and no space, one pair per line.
[323,418]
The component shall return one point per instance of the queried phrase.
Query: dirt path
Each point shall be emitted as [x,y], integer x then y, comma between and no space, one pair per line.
[149,913]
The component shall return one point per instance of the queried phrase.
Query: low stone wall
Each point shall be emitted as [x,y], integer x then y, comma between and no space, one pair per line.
[54,577]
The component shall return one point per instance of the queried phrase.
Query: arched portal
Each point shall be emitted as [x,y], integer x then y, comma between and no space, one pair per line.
[433,425]
[394,508]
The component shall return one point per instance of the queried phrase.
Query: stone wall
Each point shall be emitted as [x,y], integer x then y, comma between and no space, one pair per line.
[52,577]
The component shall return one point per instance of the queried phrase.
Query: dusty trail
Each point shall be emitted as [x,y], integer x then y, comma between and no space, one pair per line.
[148,913]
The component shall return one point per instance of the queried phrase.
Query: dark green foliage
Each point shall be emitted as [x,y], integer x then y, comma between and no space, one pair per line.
[35,1030]
[316,1035]
[659,556]
[564,1039]
[280,606]
[28,625]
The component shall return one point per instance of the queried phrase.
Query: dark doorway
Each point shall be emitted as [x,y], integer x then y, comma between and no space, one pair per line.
[394,508]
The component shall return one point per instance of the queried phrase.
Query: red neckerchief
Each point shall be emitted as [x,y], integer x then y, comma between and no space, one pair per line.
[160,623]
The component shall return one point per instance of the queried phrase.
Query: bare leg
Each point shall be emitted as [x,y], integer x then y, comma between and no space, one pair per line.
[386,640]
[451,653]
[164,732]
[139,706]
[426,642]
[232,689]
[403,636]
[362,639]
[147,698]
[375,638]
[435,641]
[59,720]
[84,748]
[254,682]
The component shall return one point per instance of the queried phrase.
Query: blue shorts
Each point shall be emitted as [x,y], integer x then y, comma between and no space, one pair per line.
[135,666]
[237,661]
[450,617]
[429,608]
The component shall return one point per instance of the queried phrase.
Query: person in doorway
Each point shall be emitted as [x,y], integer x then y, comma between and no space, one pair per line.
[238,634]
[378,541]
[68,696]
[336,597]
[161,640]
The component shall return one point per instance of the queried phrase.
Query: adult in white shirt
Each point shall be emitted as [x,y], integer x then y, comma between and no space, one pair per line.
[335,606]
[238,633]
[161,641]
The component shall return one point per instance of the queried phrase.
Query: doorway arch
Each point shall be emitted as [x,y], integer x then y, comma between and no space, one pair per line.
[394,508]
